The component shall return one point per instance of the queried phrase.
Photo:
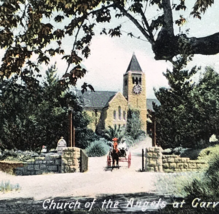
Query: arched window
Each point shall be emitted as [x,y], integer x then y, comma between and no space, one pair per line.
[114,114]
[120,112]
[124,115]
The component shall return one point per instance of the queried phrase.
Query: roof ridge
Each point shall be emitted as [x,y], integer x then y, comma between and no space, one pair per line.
[134,64]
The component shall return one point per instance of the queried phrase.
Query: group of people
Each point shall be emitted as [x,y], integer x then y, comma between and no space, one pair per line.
[118,148]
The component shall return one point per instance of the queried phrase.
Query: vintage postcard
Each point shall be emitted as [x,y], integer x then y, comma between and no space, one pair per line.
[109,106]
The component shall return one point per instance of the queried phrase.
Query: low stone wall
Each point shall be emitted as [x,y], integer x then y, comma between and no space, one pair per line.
[155,161]
[40,165]
[10,166]
[174,163]
[71,160]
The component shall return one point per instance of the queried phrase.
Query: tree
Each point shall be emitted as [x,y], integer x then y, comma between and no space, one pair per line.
[188,113]
[36,116]
[134,124]
[111,133]
[32,27]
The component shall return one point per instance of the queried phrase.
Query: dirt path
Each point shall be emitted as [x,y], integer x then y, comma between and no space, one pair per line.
[94,182]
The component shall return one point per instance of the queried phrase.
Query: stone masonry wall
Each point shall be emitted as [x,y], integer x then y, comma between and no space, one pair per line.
[155,161]
[153,158]
[10,166]
[70,160]
[174,163]
[40,165]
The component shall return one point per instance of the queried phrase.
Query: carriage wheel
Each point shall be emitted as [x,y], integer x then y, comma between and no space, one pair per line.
[129,159]
[108,161]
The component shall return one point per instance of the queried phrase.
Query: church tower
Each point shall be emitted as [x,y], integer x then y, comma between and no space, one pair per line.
[134,89]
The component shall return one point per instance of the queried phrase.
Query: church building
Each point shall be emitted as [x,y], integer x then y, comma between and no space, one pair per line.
[109,108]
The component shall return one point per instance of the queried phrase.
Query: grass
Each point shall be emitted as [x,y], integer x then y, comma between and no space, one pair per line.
[174,183]
[208,154]
[6,186]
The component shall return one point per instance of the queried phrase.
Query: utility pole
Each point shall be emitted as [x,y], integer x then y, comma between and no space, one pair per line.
[70,126]
[153,130]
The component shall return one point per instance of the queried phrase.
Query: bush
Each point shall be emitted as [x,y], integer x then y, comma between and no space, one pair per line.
[111,132]
[174,183]
[207,188]
[7,186]
[209,153]
[97,149]
[134,124]
[85,137]
[17,155]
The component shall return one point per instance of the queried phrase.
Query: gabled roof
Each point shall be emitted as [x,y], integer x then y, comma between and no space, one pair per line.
[150,103]
[100,99]
[134,65]
[97,99]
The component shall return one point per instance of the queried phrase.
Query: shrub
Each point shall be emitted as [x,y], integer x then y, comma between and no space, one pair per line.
[209,153]
[85,137]
[129,140]
[97,149]
[134,124]
[207,188]
[111,132]
[6,186]
[174,183]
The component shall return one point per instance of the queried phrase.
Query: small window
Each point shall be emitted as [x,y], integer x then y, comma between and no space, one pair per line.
[120,112]
[114,114]
[124,115]
[126,82]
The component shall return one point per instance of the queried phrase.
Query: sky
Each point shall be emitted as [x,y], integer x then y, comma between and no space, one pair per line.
[110,57]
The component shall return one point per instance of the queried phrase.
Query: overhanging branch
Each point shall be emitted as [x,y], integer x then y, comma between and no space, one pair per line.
[147,36]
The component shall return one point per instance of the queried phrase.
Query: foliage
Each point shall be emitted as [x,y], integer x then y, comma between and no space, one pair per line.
[37,28]
[85,137]
[37,114]
[188,114]
[129,140]
[174,183]
[6,186]
[111,133]
[97,148]
[209,154]
[134,124]
[207,188]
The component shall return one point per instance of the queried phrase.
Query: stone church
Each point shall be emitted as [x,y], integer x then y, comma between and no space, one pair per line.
[109,108]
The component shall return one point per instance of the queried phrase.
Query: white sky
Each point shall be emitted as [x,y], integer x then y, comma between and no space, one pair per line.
[110,57]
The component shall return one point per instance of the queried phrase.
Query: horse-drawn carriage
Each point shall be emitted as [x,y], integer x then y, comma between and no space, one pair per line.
[118,155]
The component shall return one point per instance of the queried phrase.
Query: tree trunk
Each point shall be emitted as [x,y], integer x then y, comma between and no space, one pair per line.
[166,46]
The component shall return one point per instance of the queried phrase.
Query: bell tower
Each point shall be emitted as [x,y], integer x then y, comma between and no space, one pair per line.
[134,89]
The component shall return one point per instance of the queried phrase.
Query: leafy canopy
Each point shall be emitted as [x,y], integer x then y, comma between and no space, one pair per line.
[36,116]
[32,31]
[188,114]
